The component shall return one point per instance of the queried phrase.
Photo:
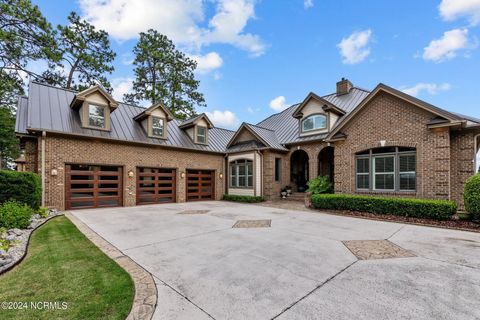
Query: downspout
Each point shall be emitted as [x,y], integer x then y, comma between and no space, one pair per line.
[44,134]
[261,172]
[476,145]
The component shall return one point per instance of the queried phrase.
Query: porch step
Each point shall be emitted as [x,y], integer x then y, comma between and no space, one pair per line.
[298,196]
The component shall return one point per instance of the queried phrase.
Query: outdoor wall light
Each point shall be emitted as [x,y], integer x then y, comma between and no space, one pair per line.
[182,174]
[220,176]
[130,173]
[54,172]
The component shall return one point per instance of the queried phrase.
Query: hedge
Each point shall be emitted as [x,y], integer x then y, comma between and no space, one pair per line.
[15,215]
[247,199]
[409,207]
[24,187]
[471,196]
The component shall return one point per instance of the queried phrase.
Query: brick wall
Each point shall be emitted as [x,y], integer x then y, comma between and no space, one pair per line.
[399,124]
[31,155]
[271,188]
[63,150]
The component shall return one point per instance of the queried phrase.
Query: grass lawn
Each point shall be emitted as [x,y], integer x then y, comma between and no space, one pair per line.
[62,265]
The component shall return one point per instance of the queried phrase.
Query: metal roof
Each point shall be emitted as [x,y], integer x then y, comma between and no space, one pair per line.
[22,112]
[49,110]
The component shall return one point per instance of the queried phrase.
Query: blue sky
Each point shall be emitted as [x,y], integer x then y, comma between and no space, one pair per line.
[258,57]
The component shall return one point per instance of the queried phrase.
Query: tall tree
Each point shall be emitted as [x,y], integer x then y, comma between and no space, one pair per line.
[25,36]
[86,56]
[164,74]
[9,147]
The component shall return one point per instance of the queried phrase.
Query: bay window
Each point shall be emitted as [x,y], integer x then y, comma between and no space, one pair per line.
[386,169]
[241,174]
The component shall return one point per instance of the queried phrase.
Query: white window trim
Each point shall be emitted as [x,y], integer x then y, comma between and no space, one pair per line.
[315,129]
[235,173]
[362,173]
[374,158]
[201,135]
[406,172]
[162,127]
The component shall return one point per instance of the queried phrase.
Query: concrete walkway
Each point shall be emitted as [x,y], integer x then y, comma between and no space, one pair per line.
[299,268]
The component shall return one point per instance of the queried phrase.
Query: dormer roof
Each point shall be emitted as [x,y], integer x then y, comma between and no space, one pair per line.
[326,105]
[80,97]
[147,112]
[194,120]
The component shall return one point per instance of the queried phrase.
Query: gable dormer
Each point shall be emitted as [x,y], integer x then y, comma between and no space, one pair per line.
[154,120]
[197,128]
[316,115]
[94,106]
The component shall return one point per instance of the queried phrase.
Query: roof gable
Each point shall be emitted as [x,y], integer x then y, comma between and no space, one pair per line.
[327,106]
[147,112]
[265,136]
[194,120]
[82,96]
[448,116]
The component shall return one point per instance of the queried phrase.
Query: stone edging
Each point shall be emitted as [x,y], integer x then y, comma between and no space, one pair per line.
[145,299]
[22,249]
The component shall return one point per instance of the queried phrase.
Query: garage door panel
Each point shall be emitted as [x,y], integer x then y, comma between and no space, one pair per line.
[200,185]
[156,185]
[89,186]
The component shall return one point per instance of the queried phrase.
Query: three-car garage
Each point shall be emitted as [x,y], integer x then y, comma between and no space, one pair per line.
[98,186]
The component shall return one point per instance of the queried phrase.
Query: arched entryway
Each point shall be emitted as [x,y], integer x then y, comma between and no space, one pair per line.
[299,170]
[326,163]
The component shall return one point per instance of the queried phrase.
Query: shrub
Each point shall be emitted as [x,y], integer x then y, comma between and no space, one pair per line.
[471,196]
[418,208]
[24,187]
[43,212]
[320,184]
[247,199]
[15,215]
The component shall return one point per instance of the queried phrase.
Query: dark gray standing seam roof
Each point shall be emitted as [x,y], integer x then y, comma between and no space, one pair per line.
[49,110]
[268,135]
[22,111]
[287,127]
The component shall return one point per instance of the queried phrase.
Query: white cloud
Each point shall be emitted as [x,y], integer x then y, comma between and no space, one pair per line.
[278,104]
[225,119]
[430,88]
[208,62]
[121,86]
[217,75]
[181,20]
[447,46]
[127,58]
[252,110]
[307,4]
[354,48]
[453,9]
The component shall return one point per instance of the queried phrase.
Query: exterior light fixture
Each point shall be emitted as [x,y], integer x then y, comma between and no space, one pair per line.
[54,172]
[130,173]
[220,176]
[182,175]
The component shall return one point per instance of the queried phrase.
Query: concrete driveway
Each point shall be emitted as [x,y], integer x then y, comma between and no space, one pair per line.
[299,268]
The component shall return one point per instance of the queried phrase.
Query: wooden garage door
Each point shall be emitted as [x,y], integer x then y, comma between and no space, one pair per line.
[200,185]
[156,185]
[89,186]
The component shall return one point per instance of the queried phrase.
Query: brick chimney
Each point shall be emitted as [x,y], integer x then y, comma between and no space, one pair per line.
[344,86]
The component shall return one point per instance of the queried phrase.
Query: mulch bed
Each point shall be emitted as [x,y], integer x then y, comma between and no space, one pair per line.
[447,224]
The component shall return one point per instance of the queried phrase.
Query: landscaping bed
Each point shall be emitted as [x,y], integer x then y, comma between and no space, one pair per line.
[66,270]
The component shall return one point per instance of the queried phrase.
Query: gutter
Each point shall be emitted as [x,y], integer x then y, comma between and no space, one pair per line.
[44,134]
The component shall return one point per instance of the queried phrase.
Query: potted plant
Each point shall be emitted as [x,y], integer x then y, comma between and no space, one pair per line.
[283,193]
[289,190]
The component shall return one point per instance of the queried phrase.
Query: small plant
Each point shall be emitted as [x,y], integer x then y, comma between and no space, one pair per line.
[247,199]
[319,185]
[43,212]
[3,243]
[471,196]
[15,215]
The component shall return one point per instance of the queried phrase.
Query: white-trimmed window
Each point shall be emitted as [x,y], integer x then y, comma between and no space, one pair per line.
[314,122]
[201,134]
[96,116]
[386,169]
[158,127]
[241,174]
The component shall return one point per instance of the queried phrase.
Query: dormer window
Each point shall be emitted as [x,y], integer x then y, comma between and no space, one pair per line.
[96,116]
[314,122]
[201,134]
[158,127]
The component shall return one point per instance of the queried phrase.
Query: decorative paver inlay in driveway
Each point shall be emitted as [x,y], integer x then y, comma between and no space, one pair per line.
[253,224]
[376,249]
[194,212]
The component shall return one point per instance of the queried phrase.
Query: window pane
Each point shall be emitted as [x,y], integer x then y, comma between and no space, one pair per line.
[233,176]
[320,122]
[384,181]
[241,169]
[250,181]
[157,127]
[241,181]
[363,181]
[96,116]
[363,165]
[384,164]
[308,124]
[314,122]
[277,169]
[201,134]
[408,181]
[407,163]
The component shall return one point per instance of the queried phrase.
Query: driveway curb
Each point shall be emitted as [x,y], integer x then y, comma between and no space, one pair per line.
[145,299]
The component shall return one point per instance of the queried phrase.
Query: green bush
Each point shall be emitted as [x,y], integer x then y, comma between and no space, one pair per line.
[320,184]
[471,196]
[418,208]
[43,212]
[24,187]
[247,199]
[15,215]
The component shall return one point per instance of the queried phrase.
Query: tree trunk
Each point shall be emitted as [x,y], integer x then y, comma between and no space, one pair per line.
[70,74]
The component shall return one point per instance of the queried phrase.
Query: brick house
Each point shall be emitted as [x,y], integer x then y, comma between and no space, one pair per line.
[93,151]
